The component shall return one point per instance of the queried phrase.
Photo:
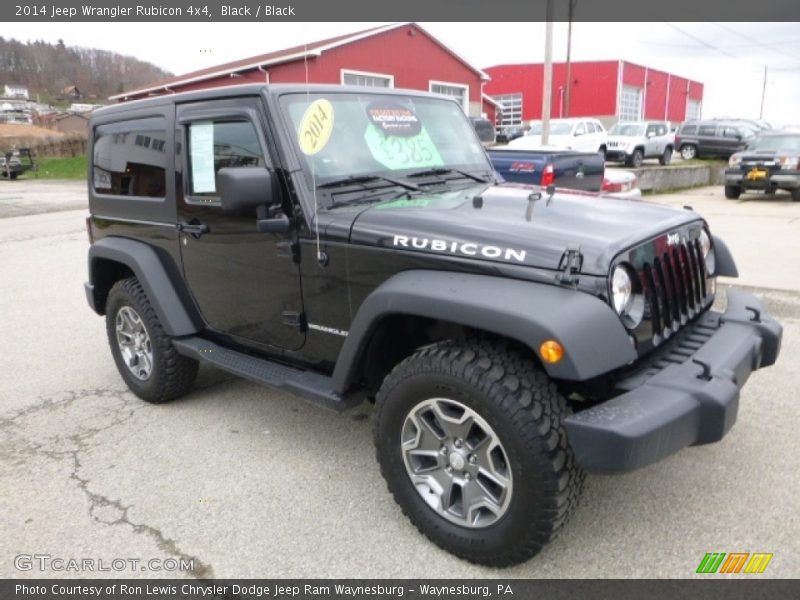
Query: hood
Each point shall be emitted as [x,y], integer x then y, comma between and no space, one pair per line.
[500,224]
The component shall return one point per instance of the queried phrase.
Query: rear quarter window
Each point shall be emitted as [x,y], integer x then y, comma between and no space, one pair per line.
[129,158]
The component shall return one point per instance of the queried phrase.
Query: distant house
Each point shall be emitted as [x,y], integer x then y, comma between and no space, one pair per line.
[71,92]
[64,122]
[15,91]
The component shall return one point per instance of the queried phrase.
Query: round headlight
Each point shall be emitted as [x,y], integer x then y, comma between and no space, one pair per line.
[621,289]
[708,252]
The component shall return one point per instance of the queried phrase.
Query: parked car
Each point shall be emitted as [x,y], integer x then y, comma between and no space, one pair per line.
[507,134]
[14,163]
[769,163]
[699,139]
[584,135]
[621,183]
[509,343]
[484,129]
[633,142]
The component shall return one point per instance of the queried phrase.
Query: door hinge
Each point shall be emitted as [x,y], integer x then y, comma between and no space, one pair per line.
[294,319]
[289,250]
[570,265]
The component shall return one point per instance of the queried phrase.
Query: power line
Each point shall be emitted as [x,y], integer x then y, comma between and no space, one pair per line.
[757,42]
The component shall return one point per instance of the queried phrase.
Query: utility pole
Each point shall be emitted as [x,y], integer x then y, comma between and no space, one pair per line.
[763,94]
[547,92]
[568,86]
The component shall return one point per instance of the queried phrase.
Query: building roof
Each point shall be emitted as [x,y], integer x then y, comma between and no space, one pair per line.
[310,50]
[489,100]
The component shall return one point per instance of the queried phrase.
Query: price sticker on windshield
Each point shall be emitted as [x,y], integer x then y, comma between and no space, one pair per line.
[397,139]
[316,127]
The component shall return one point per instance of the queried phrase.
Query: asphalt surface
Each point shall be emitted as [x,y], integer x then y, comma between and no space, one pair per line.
[247,482]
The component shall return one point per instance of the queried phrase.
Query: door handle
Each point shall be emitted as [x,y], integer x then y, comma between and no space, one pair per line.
[195,229]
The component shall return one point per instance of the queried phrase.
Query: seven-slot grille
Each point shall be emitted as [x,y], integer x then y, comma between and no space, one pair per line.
[675,286]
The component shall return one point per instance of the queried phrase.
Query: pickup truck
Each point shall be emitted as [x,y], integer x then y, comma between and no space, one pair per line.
[14,163]
[563,168]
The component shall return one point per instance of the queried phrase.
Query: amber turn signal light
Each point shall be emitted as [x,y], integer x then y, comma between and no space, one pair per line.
[551,351]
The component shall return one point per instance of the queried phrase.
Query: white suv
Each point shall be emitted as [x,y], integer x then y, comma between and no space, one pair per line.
[585,135]
[632,142]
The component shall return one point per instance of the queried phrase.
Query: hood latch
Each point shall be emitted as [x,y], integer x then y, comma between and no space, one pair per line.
[569,266]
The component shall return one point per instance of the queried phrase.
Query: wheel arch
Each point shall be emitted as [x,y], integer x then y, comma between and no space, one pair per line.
[112,259]
[528,314]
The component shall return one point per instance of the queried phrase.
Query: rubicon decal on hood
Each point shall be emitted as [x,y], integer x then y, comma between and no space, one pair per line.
[460,248]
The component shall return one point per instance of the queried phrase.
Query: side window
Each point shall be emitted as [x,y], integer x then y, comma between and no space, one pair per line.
[731,132]
[652,130]
[591,127]
[217,144]
[707,130]
[689,130]
[661,130]
[129,158]
[580,129]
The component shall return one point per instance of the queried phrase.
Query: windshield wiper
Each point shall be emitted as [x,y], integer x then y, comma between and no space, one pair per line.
[445,171]
[356,179]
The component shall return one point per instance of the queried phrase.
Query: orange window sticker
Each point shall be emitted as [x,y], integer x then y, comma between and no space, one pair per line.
[316,127]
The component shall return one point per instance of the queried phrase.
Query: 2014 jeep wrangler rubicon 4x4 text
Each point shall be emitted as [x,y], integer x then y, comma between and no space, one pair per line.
[347,244]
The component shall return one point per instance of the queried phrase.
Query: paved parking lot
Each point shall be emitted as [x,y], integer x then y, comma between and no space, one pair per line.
[247,482]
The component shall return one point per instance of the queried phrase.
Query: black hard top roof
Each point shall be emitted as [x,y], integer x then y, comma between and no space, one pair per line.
[233,91]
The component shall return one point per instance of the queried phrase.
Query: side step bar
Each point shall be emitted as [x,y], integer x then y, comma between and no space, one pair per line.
[311,386]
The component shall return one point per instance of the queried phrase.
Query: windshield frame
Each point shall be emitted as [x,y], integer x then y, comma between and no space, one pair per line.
[300,167]
[638,131]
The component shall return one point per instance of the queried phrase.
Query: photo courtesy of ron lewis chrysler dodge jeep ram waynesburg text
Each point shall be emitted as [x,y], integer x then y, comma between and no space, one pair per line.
[350,244]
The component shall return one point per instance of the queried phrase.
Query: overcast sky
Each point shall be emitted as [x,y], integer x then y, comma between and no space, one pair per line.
[729,58]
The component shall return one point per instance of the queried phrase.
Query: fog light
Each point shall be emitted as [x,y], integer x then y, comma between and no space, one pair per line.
[551,351]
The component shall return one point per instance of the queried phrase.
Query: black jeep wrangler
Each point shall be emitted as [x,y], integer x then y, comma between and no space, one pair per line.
[351,244]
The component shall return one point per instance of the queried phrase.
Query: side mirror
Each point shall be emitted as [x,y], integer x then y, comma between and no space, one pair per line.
[246,187]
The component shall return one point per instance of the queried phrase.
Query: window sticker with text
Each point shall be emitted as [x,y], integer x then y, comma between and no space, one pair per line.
[397,138]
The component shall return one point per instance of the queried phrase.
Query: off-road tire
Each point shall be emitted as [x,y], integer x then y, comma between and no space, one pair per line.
[665,158]
[689,151]
[525,410]
[172,374]
[795,194]
[732,192]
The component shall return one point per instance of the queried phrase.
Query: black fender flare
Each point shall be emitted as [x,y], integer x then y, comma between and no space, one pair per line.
[726,266]
[593,337]
[148,268]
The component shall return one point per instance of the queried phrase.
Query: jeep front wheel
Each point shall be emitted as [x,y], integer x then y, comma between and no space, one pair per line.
[471,441]
[143,352]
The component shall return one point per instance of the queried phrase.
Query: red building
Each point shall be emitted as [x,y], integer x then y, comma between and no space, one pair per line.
[609,90]
[401,55]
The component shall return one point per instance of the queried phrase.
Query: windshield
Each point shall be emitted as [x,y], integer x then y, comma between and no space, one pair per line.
[779,143]
[555,128]
[627,129]
[344,135]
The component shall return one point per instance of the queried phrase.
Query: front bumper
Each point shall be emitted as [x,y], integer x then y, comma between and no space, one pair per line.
[688,396]
[781,179]
[617,155]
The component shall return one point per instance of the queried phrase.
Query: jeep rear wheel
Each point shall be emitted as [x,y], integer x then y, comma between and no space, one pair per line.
[471,442]
[665,158]
[795,195]
[143,352]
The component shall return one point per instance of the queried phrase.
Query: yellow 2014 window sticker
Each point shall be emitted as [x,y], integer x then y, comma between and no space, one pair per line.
[316,127]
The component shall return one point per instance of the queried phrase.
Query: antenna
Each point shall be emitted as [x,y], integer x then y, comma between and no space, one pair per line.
[313,170]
